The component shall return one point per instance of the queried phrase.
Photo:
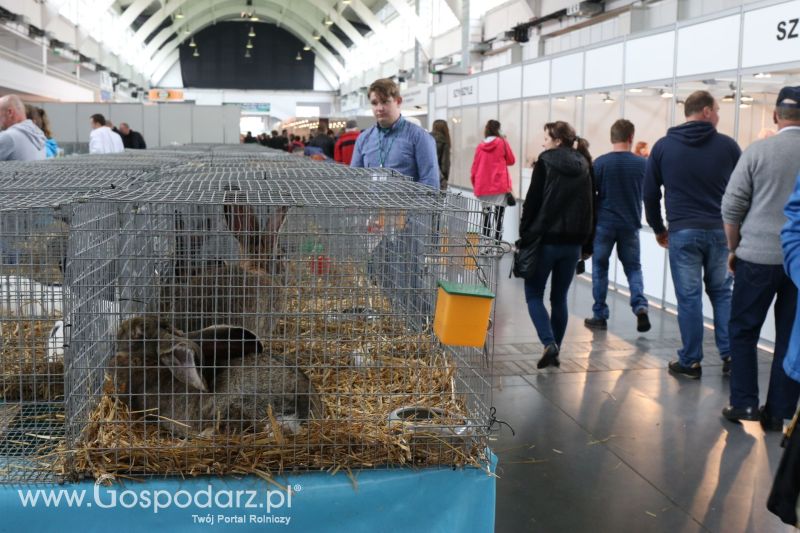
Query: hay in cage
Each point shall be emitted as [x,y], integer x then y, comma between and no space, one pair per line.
[26,373]
[363,361]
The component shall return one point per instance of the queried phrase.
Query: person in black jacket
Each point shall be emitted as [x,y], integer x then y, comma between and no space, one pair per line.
[558,220]
[130,139]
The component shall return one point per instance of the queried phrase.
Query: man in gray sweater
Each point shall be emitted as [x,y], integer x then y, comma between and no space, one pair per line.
[752,210]
[21,139]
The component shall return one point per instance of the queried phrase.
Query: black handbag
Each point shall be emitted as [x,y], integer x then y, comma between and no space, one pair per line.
[785,491]
[510,200]
[525,259]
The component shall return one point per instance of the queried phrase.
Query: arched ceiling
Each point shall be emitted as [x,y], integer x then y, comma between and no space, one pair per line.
[330,27]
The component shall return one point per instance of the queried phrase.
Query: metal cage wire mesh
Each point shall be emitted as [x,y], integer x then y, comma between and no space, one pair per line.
[322,286]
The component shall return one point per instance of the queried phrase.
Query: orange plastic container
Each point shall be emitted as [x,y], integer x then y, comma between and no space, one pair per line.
[462,314]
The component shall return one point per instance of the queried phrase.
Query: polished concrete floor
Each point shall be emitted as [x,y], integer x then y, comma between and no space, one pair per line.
[611,442]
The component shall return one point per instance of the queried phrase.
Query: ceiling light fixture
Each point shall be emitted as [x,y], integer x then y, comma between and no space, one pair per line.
[728,98]
[179,14]
[561,98]
[744,105]
[346,2]
[254,17]
[634,90]
[666,93]
[196,53]
[249,44]
[746,98]
[762,75]
[307,48]
[328,21]
[247,53]
[192,44]
[316,36]
[608,99]
[252,32]
[298,57]
[186,30]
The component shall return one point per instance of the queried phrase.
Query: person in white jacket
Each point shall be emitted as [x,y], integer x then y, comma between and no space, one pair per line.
[20,139]
[102,139]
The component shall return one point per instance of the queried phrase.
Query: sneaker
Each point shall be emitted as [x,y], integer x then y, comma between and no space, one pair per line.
[642,321]
[595,323]
[769,422]
[694,371]
[726,366]
[735,414]
[550,357]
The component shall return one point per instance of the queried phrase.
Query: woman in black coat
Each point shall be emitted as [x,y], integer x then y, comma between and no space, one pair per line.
[557,223]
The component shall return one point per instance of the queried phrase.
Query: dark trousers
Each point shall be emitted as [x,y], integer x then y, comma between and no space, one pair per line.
[754,288]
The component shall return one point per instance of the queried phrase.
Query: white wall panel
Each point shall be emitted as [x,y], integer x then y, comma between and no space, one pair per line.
[441,95]
[604,66]
[206,122]
[62,121]
[536,79]
[567,73]
[510,83]
[151,130]
[709,47]
[453,94]
[649,58]
[232,113]
[487,88]
[765,42]
[129,113]
[176,124]
[469,91]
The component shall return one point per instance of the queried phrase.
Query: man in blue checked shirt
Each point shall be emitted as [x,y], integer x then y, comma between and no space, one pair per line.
[395,142]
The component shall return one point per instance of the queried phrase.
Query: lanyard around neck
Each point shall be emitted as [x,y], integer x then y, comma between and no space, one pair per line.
[383,150]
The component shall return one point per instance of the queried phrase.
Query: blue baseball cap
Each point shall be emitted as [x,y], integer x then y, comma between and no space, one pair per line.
[789,97]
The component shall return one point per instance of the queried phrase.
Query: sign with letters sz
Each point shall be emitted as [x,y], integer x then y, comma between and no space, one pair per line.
[772,35]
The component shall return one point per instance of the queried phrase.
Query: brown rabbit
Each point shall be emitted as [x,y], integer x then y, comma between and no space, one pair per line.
[246,293]
[161,371]
[155,374]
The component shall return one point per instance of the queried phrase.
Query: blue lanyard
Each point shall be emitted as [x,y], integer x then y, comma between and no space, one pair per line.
[383,154]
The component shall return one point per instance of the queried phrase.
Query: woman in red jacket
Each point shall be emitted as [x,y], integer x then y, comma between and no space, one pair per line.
[490,178]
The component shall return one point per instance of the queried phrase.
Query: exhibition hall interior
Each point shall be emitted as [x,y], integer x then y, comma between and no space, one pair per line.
[400,265]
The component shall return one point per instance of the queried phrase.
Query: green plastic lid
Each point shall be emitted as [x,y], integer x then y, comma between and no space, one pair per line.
[463,289]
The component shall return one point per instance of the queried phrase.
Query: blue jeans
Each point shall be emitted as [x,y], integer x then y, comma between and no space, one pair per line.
[627,241]
[754,288]
[558,260]
[698,257]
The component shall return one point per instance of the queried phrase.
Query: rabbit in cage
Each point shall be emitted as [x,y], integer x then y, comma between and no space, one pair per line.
[245,292]
[213,377]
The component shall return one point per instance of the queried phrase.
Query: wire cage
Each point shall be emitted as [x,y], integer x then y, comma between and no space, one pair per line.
[260,325]
[33,240]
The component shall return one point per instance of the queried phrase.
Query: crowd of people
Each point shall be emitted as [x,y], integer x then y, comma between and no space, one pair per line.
[26,135]
[732,229]
[725,211]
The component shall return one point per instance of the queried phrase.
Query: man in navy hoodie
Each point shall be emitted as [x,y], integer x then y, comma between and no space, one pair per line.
[693,164]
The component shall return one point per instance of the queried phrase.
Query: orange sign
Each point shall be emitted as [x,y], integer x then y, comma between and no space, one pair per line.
[165,95]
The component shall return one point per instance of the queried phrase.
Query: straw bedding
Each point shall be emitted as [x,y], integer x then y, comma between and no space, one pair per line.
[25,374]
[364,365]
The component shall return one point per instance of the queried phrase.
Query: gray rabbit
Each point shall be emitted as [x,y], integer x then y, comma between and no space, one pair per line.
[215,377]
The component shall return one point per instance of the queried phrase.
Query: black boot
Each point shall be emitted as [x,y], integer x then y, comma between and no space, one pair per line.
[550,357]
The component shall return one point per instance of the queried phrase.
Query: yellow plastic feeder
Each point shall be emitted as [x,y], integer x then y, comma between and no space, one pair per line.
[462,314]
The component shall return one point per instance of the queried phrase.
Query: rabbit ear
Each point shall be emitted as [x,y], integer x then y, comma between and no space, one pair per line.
[225,342]
[179,358]
[243,221]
